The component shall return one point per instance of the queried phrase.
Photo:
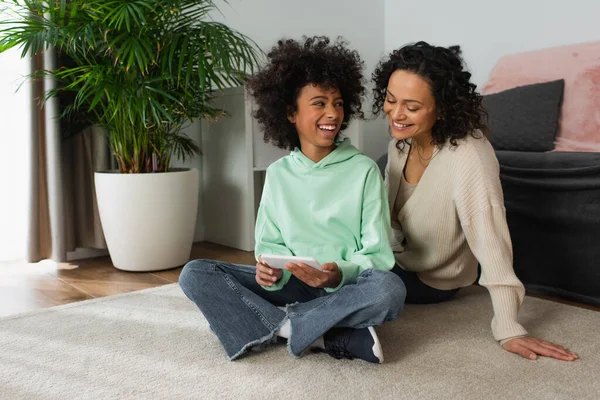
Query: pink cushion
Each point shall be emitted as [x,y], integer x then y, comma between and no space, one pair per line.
[579,66]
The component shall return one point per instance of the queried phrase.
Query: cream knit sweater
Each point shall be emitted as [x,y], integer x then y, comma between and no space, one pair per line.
[455,218]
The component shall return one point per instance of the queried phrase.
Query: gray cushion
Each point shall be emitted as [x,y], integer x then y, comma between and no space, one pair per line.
[525,118]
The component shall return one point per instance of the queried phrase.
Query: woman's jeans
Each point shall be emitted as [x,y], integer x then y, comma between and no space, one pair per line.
[242,314]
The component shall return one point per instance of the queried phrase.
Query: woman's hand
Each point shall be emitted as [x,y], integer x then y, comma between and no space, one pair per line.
[329,277]
[265,275]
[532,347]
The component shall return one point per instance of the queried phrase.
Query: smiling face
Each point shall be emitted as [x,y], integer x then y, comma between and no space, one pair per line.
[410,106]
[318,118]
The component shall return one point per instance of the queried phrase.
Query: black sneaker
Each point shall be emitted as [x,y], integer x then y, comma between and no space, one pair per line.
[353,343]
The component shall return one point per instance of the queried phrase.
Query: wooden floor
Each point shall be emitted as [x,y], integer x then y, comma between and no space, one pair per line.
[26,287]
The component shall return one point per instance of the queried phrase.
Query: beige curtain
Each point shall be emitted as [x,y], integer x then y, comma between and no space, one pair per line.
[62,201]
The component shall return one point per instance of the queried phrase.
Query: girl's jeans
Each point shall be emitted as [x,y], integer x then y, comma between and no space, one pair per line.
[242,314]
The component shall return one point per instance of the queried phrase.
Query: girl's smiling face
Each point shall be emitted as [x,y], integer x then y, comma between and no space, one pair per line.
[318,117]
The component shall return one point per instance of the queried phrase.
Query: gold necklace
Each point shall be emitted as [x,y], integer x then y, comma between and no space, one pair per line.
[422,160]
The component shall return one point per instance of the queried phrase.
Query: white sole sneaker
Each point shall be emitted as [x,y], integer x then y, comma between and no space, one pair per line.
[377,350]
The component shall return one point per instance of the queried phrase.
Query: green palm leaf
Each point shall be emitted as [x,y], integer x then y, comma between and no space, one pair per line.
[138,68]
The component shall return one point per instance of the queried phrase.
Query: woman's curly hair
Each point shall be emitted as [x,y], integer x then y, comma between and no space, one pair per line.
[457,102]
[291,65]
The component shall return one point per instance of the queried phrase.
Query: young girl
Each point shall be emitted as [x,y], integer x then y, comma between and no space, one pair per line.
[325,200]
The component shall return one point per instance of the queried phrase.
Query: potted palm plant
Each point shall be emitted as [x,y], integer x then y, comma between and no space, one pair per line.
[140,69]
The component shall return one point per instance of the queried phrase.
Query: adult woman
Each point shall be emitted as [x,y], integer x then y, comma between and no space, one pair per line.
[445,197]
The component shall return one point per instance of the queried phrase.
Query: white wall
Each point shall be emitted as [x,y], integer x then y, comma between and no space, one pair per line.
[487,30]
[266,21]
[360,22]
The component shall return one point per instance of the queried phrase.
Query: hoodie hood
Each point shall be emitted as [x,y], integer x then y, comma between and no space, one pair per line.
[343,152]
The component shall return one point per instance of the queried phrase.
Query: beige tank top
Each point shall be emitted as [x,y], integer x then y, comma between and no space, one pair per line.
[405,190]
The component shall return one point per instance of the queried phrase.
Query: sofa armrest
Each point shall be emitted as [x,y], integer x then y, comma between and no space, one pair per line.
[549,160]
[552,205]
[553,170]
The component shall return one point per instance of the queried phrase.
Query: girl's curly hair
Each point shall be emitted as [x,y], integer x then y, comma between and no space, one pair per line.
[291,65]
[458,104]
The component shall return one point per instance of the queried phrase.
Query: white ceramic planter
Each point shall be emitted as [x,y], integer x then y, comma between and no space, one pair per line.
[148,219]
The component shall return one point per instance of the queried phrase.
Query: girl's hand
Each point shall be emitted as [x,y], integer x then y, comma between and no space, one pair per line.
[265,275]
[530,347]
[329,277]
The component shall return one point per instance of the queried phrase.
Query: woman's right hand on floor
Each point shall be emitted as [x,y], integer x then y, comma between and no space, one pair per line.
[265,275]
[530,347]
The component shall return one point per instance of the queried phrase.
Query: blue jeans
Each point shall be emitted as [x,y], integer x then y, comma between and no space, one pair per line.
[242,314]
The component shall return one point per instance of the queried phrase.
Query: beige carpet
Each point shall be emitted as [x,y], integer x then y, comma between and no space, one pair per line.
[154,344]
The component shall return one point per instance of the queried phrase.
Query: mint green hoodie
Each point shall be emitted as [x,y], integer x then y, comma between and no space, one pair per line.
[335,211]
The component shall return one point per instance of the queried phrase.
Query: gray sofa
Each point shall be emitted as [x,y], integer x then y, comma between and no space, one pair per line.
[552,205]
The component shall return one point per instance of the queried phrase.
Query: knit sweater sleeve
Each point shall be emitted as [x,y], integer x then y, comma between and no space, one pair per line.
[480,207]
[489,240]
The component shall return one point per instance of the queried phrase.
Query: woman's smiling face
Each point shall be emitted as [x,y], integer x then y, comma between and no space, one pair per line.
[409,106]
